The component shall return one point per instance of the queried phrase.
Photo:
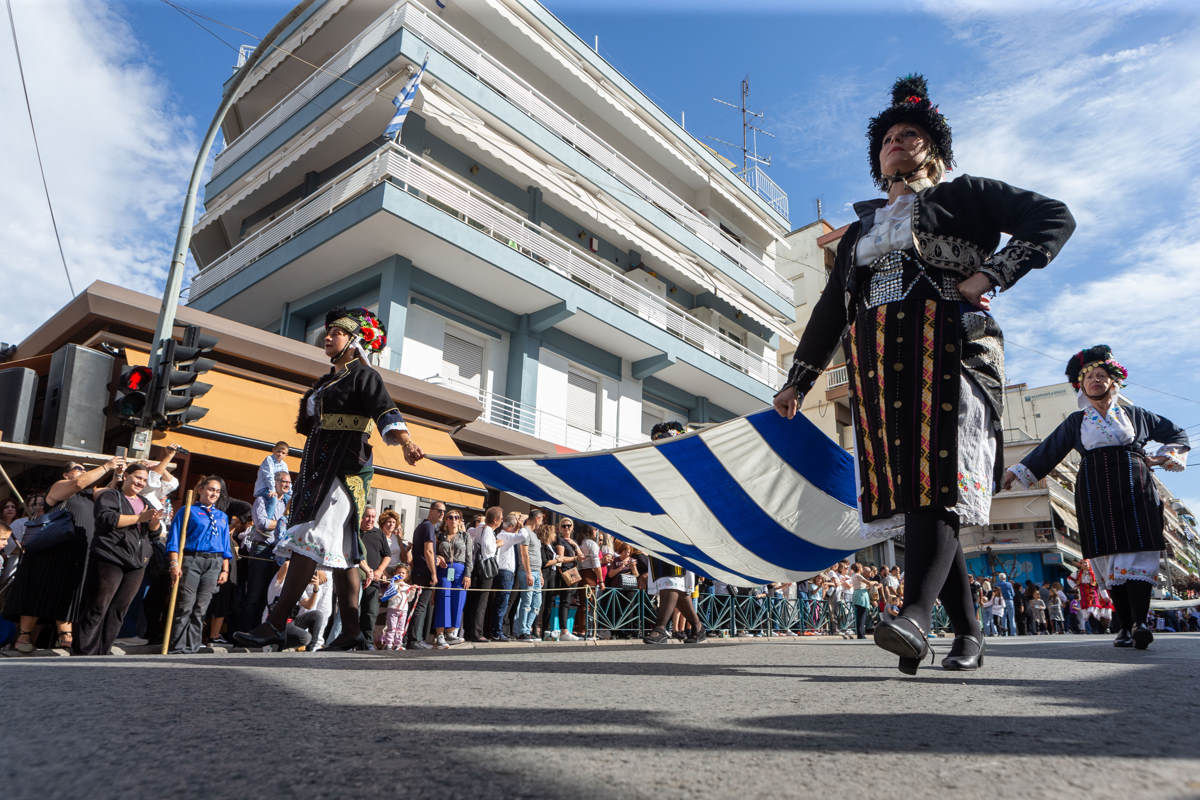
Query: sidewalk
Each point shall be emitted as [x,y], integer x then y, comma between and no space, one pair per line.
[139,647]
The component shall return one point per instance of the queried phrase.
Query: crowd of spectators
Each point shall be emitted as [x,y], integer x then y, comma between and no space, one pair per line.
[96,555]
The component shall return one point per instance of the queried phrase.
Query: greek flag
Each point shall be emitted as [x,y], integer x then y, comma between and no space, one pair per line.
[758,499]
[403,102]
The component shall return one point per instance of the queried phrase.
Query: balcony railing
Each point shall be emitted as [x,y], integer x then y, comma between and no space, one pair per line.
[511,414]
[310,87]
[838,376]
[447,193]
[767,189]
[531,102]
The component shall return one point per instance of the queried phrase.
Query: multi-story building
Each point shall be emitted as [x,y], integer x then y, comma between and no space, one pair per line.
[541,237]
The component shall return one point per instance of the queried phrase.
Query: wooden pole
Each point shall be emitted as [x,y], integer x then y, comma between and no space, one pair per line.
[12,486]
[187,514]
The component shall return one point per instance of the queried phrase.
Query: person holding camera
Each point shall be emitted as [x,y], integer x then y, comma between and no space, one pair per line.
[125,524]
[47,582]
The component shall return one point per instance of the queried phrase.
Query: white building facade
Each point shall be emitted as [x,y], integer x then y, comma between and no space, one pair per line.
[541,236]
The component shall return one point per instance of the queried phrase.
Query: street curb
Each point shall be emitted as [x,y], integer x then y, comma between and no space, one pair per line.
[128,648]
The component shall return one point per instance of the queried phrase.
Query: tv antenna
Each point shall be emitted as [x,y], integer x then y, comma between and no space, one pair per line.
[750,131]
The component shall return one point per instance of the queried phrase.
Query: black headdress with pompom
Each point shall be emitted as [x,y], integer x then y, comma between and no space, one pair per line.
[910,103]
[1099,355]
[665,430]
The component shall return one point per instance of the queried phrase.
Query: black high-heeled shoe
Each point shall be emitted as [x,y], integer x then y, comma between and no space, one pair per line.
[905,640]
[958,661]
[345,642]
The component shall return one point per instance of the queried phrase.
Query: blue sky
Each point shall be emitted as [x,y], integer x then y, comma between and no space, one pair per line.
[1094,103]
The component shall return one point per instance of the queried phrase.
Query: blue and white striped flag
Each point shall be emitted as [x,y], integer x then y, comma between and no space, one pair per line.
[403,102]
[754,500]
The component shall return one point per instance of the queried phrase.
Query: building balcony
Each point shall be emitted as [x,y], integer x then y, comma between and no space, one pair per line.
[525,418]
[532,103]
[393,167]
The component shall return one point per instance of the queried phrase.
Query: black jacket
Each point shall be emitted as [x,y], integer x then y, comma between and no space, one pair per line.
[956,227]
[1147,427]
[128,547]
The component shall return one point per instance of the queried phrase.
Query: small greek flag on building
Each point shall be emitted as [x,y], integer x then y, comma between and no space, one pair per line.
[754,500]
[403,102]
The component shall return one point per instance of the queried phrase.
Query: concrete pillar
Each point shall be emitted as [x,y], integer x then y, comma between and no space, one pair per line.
[521,384]
[395,290]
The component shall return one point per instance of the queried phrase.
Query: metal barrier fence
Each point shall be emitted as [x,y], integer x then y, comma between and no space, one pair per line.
[631,612]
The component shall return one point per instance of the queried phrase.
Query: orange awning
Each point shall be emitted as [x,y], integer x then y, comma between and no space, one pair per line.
[246,417]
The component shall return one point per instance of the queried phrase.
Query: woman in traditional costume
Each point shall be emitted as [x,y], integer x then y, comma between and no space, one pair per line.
[337,415]
[908,299]
[1119,510]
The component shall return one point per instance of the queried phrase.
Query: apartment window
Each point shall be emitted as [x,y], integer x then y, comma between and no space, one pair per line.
[733,336]
[462,361]
[583,401]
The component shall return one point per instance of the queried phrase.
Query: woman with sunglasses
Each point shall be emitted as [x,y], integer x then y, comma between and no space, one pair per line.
[48,582]
[454,579]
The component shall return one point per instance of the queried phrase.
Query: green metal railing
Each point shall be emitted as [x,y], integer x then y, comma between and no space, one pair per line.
[631,612]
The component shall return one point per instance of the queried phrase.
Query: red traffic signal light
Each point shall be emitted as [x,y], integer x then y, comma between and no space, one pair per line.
[136,379]
[129,393]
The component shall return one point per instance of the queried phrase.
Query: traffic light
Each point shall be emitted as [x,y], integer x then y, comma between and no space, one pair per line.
[175,384]
[129,393]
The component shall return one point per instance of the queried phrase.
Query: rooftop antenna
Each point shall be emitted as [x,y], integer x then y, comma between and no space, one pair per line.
[750,131]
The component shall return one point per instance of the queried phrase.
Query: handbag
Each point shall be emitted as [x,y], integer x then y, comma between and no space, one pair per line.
[571,576]
[488,568]
[628,580]
[53,528]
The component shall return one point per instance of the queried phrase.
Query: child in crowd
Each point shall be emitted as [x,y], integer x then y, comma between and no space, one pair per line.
[398,597]
[1054,607]
[264,484]
[1037,613]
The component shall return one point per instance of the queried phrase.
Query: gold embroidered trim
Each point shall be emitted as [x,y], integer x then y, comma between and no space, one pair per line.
[347,422]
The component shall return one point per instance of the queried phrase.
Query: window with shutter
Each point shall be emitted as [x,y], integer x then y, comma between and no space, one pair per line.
[582,401]
[462,361]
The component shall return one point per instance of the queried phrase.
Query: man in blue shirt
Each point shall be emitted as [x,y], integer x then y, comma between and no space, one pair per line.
[206,555]
[1010,616]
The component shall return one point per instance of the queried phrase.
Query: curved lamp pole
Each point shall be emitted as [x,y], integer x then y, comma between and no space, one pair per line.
[140,447]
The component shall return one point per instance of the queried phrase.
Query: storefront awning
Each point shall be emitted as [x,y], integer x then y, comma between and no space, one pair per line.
[247,416]
[1064,513]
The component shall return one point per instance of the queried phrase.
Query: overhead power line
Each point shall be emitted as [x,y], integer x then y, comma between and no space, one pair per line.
[12,25]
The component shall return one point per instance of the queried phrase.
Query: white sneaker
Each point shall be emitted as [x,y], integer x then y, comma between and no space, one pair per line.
[441,644]
[550,636]
[567,636]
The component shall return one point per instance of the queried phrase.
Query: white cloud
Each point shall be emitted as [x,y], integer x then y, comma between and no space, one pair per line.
[117,156]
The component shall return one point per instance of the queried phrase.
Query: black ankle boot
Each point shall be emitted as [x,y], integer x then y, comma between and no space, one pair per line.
[960,658]
[1142,636]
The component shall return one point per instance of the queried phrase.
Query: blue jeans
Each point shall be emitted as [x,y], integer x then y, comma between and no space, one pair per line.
[989,622]
[1010,619]
[499,607]
[529,606]
[448,612]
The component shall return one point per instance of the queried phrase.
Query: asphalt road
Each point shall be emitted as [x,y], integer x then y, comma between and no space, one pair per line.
[1065,716]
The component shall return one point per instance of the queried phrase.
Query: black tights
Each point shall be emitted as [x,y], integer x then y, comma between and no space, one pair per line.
[300,572]
[934,567]
[1131,601]
[668,599]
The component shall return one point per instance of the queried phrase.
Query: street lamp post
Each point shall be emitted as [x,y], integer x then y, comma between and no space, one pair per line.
[140,444]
